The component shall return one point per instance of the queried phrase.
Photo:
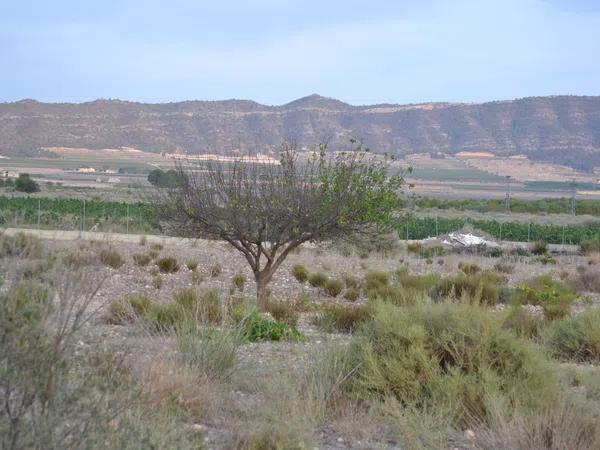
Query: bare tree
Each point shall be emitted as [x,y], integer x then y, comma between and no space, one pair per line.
[267,210]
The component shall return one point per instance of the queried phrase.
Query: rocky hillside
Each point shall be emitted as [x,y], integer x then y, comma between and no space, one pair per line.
[563,129]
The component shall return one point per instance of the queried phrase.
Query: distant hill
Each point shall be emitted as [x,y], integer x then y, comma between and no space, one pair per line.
[560,129]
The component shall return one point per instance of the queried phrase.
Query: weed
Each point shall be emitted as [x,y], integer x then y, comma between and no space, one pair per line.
[128,309]
[333,287]
[555,297]
[575,338]
[376,280]
[141,259]
[257,328]
[192,265]
[157,281]
[317,279]
[352,294]
[539,248]
[215,270]
[239,281]
[343,319]
[469,268]
[205,306]
[111,258]
[283,312]
[522,323]
[351,282]
[483,287]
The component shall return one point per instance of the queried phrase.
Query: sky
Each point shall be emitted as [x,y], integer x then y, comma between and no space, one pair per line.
[361,52]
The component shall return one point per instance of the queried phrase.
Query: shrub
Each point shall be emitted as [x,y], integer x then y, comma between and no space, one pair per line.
[78,258]
[590,246]
[283,312]
[215,270]
[522,323]
[257,328]
[22,245]
[192,265]
[555,297]
[239,281]
[432,252]
[376,279]
[449,357]
[111,258]
[25,183]
[414,247]
[317,279]
[539,248]
[546,259]
[167,264]
[300,273]
[128,309]
[333,287]
[352,294]
[418,282]
[575,338]
[483,287]
[343,319]
[468,268]
[141,259]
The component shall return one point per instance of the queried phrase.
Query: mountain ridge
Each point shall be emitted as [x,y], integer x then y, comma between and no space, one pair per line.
[562,129]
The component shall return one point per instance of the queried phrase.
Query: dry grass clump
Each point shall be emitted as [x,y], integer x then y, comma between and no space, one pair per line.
[215,270]
[300,273]
[575,338]
[469,268]
[351,282]
[376,279]
[587,279]
[504,267]
[484,287]
[333,287]
[539,248]
[238,281]
[157,281]
[522,323]
[590,246]
[317,279]
[192,265]
[202,306]
[128,309]
[111,258]
[167,264]
[21,245]
[343,319]
[142,259]
[351,294]
[284,312]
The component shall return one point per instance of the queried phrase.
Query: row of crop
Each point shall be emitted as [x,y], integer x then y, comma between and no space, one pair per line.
[424,227]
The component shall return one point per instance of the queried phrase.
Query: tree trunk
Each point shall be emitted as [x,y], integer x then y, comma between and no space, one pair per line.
[262,279]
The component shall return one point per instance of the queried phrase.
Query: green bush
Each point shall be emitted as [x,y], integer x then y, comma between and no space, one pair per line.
[352,294]
[575,338]
[343,319]
[283,312]
[257,328]
[418,282]
[451,358]
[483,287]
[25,183]
[164,317]
[317,279]
[167,264]
[333,287]
[142,259]
[111,258]
[554,296]
[539,248]
[300,273]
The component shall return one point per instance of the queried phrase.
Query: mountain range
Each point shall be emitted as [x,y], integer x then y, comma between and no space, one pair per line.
[559,129]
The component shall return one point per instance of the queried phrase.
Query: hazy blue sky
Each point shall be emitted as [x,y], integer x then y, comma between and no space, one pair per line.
[275,51]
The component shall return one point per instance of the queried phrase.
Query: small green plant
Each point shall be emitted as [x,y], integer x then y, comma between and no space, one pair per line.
[333,287]
[192,265]
[554,296]
[167,264]
[205,306]
[351,282]
[317,279]
[300,273]
[111,258]
[257,328]
[375,279]
[239,281]
[141,259]
[215,270]
[164,317]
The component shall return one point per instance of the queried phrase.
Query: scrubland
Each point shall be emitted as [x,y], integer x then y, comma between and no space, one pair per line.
[384,345]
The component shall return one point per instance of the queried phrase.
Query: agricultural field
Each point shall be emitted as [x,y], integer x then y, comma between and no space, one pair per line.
[492,351]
